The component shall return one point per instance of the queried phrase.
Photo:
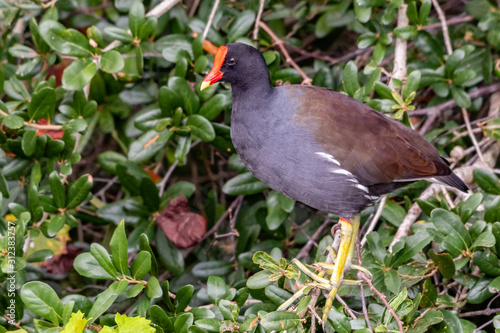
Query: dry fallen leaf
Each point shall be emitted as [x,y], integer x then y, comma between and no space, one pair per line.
[181,226]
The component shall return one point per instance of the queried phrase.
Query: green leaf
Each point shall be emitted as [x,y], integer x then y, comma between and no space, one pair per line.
[487,262]
[153,289]
[119,248]
[112,61]
[108,160]
[216,289]
[392,280]
[182,322]
[350,78]
[168,101]
[412,13]
[241,26]
[78,74]
[486,239]
[145,147]
[136,17]
[259,280]
[244,184]
[133,324]
[169,255]
[119,34]
[487,67]
[487,180]
[42,300]
[42,104]
[150,194]
[191,101]
[412,84]
[445,263]
[102,256]
[205,269]
[213,107]
[141,265]
[425,9]
[275,215]
[79,191]
[406,32]
[28,142]
[280,321]
[51,227]
[495,229]
[429,295]
[449,224]
[412,246]
[277,295]
[106,299]
[201,127]
[479,292]
[453,62]
[469,207]
[13,122]
[183,297]
[57,189]
[86,265]
[145,246]
[22,51]
[159,317]
[461,77]
[173,44]
[40,256]
[70,42]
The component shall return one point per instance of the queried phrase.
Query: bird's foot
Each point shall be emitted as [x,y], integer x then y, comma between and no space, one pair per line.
[330,276]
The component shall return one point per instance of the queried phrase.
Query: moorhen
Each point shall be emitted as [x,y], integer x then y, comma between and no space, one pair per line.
[321,147]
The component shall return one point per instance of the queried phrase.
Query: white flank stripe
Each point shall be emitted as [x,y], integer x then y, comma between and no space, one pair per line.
[342,172]
[328,157]
[362,188]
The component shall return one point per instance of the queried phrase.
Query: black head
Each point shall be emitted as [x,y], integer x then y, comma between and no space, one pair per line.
[241,65]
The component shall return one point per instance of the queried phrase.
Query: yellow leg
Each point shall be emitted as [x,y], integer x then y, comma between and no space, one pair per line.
[346,235]
[355,227]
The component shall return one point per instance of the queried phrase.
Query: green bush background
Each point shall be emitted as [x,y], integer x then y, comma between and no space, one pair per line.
[103,126]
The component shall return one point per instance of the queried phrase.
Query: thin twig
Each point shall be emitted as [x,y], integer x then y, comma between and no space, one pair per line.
[363,300]
[35,125]
[399,69]
[210,19]
[305,250]
[224,216]
[489,322]
[451,103]
[257,20]
[164,181]
[465,115]
[444,27]
[347,308]
[374,221]
[288,59]
[485,312]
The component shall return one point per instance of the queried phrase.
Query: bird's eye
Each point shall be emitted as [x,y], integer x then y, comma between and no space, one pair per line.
[231,62]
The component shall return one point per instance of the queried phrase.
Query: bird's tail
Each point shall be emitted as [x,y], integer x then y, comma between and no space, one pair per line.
[454,181]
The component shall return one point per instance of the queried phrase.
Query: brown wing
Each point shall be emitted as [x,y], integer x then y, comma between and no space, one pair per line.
[373,147]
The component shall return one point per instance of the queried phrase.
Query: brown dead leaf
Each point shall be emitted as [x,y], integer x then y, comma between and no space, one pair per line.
[181,226]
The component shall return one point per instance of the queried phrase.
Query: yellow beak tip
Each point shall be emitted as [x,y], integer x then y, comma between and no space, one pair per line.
[204,84]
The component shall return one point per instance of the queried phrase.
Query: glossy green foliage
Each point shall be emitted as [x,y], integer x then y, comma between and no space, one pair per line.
[125,208]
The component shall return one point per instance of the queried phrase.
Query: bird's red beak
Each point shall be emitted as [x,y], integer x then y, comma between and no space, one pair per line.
[215,74]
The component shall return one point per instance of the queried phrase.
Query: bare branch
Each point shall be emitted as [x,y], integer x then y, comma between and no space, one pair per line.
[288,59]
[444,27]
[210,19]
[399,70]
